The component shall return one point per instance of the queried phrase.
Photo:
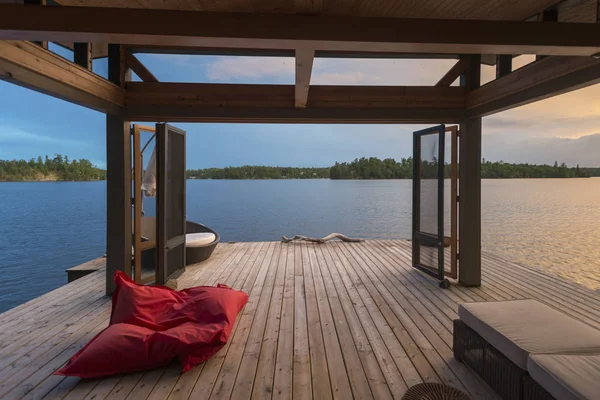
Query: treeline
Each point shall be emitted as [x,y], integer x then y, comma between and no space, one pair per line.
[505,170]
[374,168]
[258,172]
[59,168]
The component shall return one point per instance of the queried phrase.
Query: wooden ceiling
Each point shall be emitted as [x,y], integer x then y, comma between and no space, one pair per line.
[446,9]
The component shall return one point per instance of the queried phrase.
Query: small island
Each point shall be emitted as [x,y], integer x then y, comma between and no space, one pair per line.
[59,168]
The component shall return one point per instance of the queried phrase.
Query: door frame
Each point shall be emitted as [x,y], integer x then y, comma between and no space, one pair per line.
[163,243]
[419,237]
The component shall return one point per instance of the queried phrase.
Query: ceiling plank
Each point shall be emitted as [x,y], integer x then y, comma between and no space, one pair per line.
[265,31]
[541,79]
[304,64]
[452,74]
[139,68]
[31,66]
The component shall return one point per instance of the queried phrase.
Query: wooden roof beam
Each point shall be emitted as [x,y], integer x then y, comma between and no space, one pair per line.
[453,74]
[539,80]
[269,31]
[304,64]
[140,69]
[31,66]
[204,102]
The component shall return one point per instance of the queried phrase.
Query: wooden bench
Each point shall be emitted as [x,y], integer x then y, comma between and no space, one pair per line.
[79,271]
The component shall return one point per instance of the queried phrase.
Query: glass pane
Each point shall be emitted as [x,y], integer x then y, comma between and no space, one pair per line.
[429,184]
[175,226]
[429,256]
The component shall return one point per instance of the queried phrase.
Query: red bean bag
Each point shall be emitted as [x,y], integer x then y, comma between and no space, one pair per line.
[151,325]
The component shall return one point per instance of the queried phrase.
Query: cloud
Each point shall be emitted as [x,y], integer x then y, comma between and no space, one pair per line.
[329,71]
[583,150]
[336,71]
[234,68]
[12,135]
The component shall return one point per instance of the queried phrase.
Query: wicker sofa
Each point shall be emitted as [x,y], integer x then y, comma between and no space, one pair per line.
[198,253]
[527,350]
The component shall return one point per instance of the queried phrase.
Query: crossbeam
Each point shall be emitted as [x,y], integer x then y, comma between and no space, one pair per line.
[139,68]
[539,80]
[304,64]
[31,66]
[200,102]
[270,31]
[452,74]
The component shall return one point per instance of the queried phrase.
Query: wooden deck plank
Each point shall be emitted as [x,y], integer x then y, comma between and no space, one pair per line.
[389,368]
[246,375]
[239,280]
[338,374]
[265,371]
[187,381]
[413,366]
[321,383]
[53,306]
[337,320]
[364,372]
[231,364]
[302,383]
[282,388]
[171,373]
[441,357]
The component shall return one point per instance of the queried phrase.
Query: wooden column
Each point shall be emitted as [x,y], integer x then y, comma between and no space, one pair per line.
[548,15]
[503,65]
[470,186]
[118,179]
[82,55]
[44,44]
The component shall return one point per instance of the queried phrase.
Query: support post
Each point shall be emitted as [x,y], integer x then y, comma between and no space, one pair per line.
[503,65]
[470,186]
[118,180]
[548,15]
[82,55]
[44,43]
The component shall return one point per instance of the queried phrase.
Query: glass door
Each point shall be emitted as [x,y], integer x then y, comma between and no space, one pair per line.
[170,202]
[428,201]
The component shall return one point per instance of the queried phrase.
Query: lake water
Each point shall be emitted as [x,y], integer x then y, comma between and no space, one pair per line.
[46,227]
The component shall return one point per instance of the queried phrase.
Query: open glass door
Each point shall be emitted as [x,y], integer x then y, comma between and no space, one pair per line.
[432,202]
[428,201]
[170,202]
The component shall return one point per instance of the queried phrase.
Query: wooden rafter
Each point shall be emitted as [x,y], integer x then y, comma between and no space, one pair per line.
[283,96]
[539,80]
[276,103]
[452,74]
[262,31]
[139,68]
[31,66]
[304,64]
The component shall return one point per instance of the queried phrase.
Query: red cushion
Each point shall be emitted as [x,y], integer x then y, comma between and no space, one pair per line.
[150,325]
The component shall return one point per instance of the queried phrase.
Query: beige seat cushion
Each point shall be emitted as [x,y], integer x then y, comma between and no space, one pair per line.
[199,239]
[567,376]
[518,328]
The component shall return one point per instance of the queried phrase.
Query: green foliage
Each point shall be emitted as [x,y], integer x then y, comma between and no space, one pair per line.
[258,172]
[372,168]
[58,168]
[505,170]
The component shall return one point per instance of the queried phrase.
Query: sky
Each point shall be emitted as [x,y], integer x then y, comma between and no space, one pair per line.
[564,128]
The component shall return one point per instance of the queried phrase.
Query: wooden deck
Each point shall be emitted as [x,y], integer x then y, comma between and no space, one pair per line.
[338,321]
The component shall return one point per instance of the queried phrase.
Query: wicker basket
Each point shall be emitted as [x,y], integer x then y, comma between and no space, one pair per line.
[434,391]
